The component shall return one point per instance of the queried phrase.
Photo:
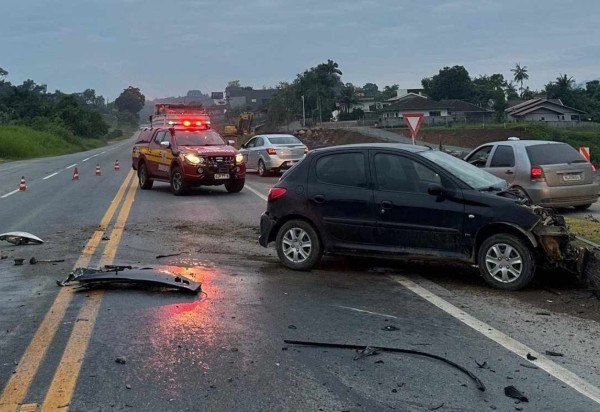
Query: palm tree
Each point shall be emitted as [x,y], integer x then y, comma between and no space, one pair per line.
[520,75]
[565,82]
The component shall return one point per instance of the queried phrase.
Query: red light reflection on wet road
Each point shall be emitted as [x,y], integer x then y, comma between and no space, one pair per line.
[182,331]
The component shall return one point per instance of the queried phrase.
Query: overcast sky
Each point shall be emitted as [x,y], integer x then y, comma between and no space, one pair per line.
[168,47]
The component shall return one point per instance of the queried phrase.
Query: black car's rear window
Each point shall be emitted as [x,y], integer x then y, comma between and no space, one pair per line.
[553,154]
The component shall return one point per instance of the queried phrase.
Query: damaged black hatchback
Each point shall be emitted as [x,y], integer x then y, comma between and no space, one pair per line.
[402,201]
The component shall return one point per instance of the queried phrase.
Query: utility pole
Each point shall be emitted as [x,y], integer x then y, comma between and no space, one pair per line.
[303,113]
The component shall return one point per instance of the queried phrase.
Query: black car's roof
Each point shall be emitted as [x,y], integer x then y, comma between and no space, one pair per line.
[398,146]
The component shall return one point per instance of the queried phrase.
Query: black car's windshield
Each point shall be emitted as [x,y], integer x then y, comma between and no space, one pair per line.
[471,175]
[284,140]
[199,138]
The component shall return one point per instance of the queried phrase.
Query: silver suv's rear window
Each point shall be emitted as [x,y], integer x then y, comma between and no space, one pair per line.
[553,154]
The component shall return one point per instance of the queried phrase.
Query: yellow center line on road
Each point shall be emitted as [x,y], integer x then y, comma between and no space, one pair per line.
[65,378]
[18,384]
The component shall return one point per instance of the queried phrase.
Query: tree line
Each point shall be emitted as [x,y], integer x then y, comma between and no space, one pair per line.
[322,91]
[69,115]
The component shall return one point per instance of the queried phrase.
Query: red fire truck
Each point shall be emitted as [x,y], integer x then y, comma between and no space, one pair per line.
[181,148]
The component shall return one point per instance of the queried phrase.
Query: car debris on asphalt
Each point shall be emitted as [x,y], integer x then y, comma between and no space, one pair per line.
[514,393]
[21,238]
[111,274]
[19,261]
[464,370]
[169,255]
[34,261]
[552,353]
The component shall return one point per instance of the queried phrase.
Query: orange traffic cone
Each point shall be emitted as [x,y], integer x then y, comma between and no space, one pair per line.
[98,172]
[22,184]
[75,174]
[117,167]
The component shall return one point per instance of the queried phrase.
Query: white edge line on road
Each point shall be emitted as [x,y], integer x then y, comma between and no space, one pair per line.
[518,348]
[101,153]
[86,159]
[73,165]
[49,176]
[9,193]
[256,192]
[367,311]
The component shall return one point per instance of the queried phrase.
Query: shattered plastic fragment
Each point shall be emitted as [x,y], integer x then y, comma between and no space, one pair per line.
[21,238]
[552,353]
[514,393]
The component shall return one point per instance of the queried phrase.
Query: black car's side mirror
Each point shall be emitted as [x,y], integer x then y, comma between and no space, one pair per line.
[436,190]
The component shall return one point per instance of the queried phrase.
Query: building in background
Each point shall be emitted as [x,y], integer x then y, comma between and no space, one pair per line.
[442,112]
[544,110]
[247,98]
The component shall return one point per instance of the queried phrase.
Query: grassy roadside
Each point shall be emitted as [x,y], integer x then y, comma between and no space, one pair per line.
[19,142]
[585,228]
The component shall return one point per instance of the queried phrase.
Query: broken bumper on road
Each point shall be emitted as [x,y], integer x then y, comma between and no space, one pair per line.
[89,277]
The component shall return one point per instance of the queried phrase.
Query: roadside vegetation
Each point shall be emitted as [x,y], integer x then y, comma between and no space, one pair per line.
[21,142]
[585,228]
[35,122]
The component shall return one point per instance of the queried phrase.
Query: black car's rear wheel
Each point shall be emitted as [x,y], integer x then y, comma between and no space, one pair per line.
[505,262]
[298,245]
[235,186]
[178,186]
[145,181]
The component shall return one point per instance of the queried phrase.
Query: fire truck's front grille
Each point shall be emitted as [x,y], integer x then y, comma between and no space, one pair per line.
[220,163]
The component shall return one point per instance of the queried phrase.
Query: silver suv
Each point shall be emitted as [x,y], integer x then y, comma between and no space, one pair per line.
[548,173]
[273,152]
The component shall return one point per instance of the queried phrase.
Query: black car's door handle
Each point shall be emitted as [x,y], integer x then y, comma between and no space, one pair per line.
[510,172]
[318,198]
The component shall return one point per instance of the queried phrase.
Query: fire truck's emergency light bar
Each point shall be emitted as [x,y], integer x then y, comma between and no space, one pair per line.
[180,114]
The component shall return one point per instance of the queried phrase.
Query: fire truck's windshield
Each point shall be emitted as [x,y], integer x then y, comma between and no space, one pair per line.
[198,138]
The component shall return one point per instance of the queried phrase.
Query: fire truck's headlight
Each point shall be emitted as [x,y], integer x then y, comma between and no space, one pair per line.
[239,158]
[193,159]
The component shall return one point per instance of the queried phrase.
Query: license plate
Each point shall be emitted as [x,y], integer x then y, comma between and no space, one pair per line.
[571,178]
[221,176]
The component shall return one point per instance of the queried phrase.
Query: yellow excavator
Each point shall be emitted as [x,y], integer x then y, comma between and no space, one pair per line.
[243,127]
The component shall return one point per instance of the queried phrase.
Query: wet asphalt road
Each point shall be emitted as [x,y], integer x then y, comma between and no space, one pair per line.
[224,349]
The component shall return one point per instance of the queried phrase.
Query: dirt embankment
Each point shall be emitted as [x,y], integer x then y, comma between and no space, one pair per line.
[317,138]
[469,138]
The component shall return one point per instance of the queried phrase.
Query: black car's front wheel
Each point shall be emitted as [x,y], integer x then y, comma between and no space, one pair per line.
[298,245]
[506,262]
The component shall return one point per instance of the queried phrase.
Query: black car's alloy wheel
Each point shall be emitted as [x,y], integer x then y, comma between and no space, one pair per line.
[145,182]
[505,262]
[298,245]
